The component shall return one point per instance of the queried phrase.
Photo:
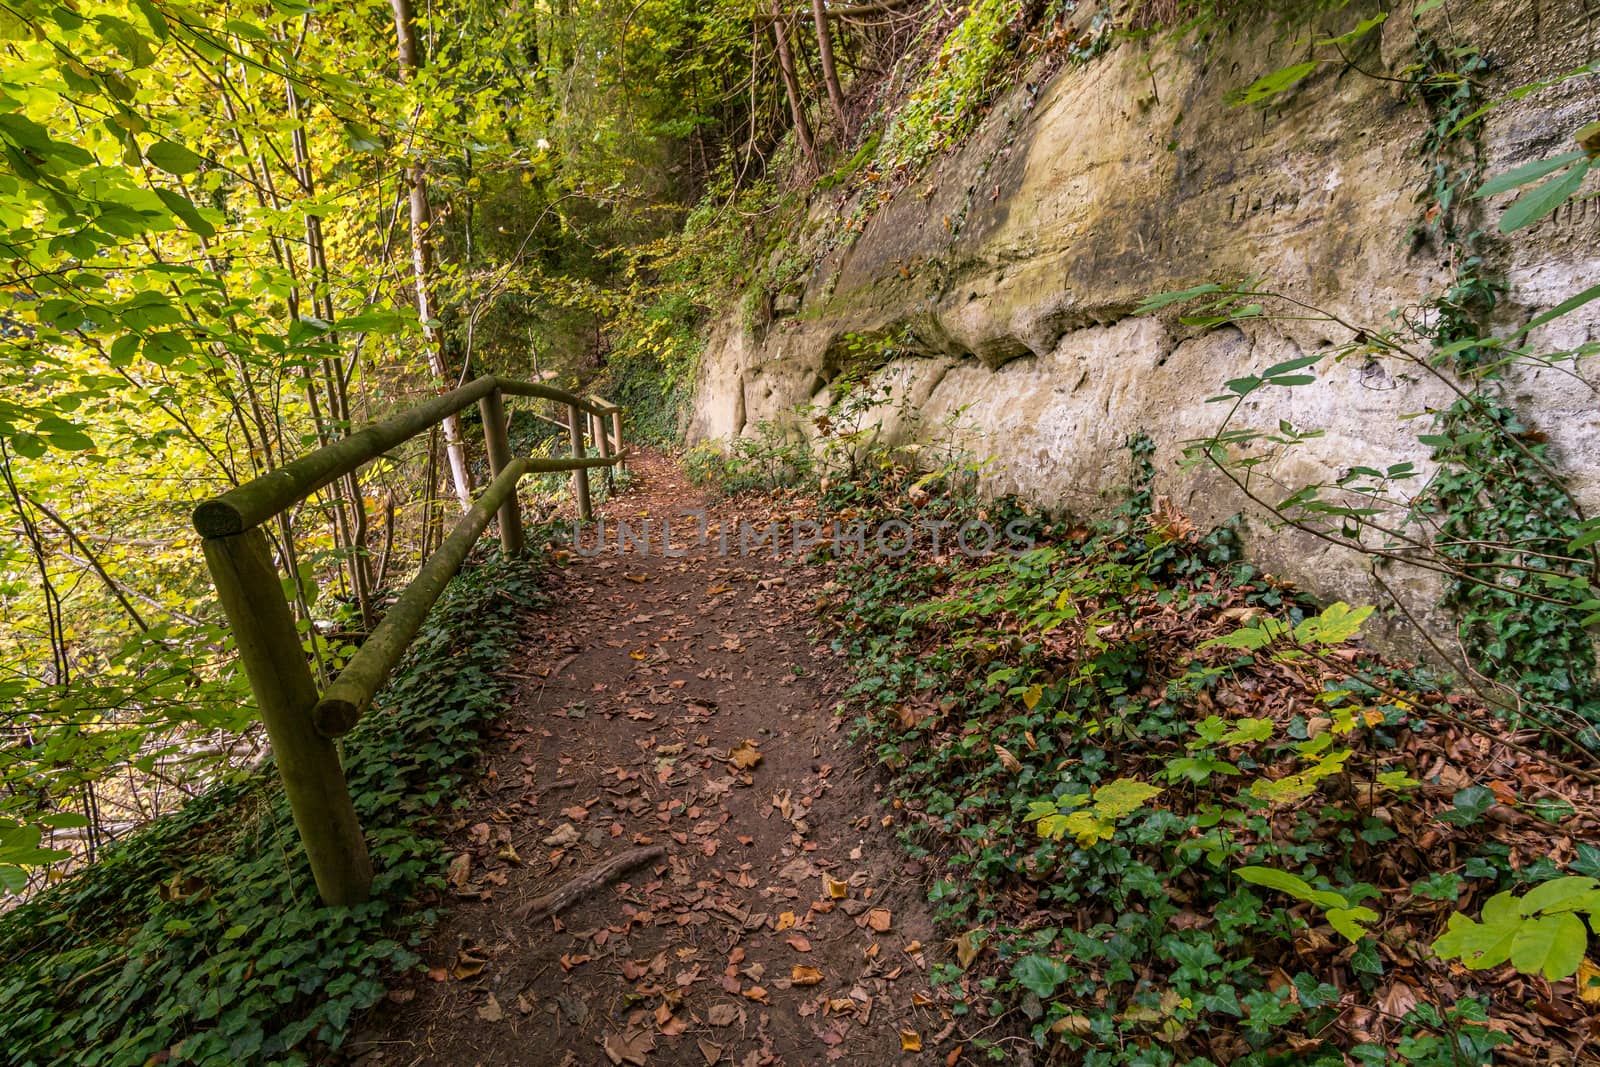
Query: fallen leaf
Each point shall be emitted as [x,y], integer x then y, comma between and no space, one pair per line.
[879,919]
[467,966]
[723,1014]
[744,755]
[491,1012]
[1588,980]
[802,975]
[785,921]
[798,943]
[910,1041]
[1007,760]
[460,870]
[968,945]
[634,1049]
[836,890]
[711,1052]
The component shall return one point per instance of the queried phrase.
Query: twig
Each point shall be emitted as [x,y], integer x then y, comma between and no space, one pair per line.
[614,868]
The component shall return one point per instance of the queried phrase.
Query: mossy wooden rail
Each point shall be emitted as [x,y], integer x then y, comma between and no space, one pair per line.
[302,724]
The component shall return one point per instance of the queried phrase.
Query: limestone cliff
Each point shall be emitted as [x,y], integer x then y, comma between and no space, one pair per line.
[1009,273]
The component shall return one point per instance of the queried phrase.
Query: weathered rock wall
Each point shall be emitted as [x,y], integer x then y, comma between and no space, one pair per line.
[1015,266]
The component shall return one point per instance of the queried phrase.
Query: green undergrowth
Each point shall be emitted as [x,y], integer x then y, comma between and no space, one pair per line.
[201,939]
[1174,816]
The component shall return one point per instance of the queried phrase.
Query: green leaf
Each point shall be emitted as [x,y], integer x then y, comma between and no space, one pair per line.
[1364,27]
[1123,797]
[1292,365]
[173,158]
[184,208]
[1271,85]
[1478,946]
[1526,173]
[1552,895]
[1572,303]
[1039,975]
[63,820]
[13,879]
[1540,201]
[1351,921]
[1552,945]
[1161,300]
[1294,885]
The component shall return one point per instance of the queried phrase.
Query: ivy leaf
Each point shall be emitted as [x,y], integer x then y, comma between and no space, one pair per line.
[1538,202]
[173,158]
[1039,975]
[1470,804]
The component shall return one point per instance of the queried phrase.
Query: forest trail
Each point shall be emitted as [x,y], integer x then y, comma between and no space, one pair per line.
[781,924]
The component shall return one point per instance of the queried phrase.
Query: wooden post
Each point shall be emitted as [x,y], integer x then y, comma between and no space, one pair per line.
[580,477]
[251,593]
[604,441]
[616,436]
[497,442]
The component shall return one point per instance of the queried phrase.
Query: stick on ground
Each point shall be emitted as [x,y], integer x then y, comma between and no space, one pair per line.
[587,882]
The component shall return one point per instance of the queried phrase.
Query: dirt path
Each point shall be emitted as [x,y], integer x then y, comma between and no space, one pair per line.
[676,702]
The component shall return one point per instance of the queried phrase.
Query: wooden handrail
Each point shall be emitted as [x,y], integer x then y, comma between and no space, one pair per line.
[260,499]
[301,724]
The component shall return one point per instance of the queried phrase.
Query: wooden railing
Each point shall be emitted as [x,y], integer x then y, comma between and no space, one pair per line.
[302,724]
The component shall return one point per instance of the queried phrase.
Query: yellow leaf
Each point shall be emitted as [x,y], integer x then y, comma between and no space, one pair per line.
[1588,982]
[744,755]
[800,974]
[910,1041]
[968,945]
[837,890]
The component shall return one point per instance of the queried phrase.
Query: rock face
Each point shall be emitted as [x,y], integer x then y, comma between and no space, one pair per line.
[1008,276]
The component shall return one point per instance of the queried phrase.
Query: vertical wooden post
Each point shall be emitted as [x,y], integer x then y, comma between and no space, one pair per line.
[580,477]
[251,593]
[497,442]
[616,435]
[604,441]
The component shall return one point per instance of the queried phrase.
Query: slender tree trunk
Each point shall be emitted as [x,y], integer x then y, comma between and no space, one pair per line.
[830,75]
[791,84]
[422,265]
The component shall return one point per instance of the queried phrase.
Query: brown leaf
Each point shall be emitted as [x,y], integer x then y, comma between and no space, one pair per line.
[711,1052]
[491,1012]
[880,919]
[744,755]
[798,943]
[632,1049]
[467,966]
[460,870]
[1007,760]
[723,1014]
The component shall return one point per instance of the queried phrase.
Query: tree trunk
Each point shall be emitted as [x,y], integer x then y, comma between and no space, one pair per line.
[422,265]
[829,74]
[791,84]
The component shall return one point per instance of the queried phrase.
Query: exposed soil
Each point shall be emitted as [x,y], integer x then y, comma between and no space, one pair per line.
[677,702]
